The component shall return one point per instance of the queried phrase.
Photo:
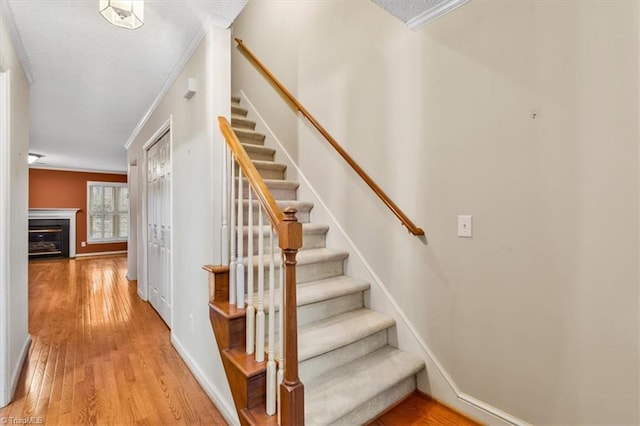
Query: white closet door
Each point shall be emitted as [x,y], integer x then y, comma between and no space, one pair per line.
[159,227]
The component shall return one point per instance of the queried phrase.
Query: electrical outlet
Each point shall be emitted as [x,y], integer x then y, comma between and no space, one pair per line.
[465,227]
[83,244]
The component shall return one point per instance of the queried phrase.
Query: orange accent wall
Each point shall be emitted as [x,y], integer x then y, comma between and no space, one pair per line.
[65,189]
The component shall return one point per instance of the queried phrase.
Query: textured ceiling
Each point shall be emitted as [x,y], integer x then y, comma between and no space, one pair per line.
[92,81]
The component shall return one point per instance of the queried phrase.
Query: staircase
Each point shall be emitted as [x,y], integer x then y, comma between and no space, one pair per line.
[349,371]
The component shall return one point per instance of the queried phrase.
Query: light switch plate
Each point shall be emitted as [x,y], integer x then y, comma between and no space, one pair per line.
[465,227]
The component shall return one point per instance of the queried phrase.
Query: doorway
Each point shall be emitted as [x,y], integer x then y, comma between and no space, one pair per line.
[158,218]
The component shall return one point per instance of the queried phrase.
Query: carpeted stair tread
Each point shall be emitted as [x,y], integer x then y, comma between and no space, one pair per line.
[326,335]
[249,136]
[235,109]
[235,99]
[280,189]
[300,206]
[259,150]
[303,209]
[320,290]
[313,236]
[307,229]
[270,165]
[306,257]
[335,394]
[242,122]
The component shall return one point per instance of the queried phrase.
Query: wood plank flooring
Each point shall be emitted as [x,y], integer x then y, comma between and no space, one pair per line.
[420,409]
[100,355]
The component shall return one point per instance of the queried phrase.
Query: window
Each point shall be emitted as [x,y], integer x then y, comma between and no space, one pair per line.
[107,212]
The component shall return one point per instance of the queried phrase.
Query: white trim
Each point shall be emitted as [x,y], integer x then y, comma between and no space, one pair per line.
[434,13]
[115,241]
[167,126]
[143,283]
[101,253]
[227,411]
[472,403]
[60,214]
[5,202]
[17,369]
[91,183]
[16,40]
[156,136]
[177,69]
[69,169]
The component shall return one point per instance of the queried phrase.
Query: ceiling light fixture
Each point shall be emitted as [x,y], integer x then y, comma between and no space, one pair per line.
[125,14]
[33,158]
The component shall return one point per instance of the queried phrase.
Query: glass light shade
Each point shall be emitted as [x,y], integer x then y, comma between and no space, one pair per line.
[121,13]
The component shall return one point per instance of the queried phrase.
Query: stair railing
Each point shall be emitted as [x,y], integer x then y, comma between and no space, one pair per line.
[240,175]
[404,219]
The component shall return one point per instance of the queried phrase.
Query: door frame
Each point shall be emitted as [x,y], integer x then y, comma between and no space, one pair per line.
[166,126]
[5,208]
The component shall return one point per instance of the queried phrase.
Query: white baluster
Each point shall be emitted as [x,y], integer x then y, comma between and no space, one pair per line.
[239,261]
[225,206]
[280,377]
[232,226]
[260,313]
[251,311]
[271,364]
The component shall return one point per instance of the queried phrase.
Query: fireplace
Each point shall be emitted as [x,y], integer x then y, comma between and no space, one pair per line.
[52,233]
[48,238]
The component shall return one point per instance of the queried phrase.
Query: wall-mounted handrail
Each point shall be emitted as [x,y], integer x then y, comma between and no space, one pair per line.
[374,186]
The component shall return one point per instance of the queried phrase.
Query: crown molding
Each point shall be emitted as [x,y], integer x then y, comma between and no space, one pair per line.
[431,15]
[7,14]
[70,169]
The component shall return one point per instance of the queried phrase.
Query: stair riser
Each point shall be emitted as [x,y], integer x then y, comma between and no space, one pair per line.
[267,173]
[326,308]
[277,193]
[250,139]
[242,123]
[316,366]
[260,155]
[375,406]
[302,215]
[304,273]
[309,241]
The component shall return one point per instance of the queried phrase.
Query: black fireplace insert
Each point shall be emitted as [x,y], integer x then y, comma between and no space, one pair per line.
[48,238]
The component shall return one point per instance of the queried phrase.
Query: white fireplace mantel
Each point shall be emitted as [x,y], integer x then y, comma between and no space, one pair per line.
[60,214]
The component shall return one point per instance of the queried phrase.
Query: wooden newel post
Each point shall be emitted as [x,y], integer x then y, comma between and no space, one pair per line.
[291,389]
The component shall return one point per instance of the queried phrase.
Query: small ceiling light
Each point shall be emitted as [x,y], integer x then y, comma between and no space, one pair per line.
[33,158]
[126,14]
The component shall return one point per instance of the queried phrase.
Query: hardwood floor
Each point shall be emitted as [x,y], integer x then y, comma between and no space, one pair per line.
[420,409]
[100,355]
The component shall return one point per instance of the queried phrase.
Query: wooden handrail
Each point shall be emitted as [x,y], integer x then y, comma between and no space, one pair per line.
[379,192]
[289,240]
[251,173]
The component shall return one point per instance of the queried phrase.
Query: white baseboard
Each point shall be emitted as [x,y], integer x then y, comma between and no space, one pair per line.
[17,369]
[227,411]
[452,396]
[101,253]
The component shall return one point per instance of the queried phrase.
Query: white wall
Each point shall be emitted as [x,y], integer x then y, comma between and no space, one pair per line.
[196,217]
[15,206]
[537,314]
